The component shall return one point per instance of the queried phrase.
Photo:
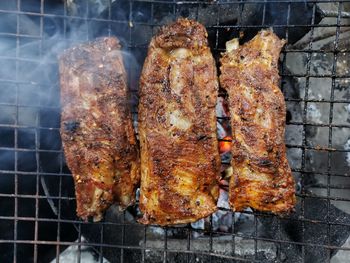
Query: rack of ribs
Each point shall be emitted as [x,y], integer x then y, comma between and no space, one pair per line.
[261,178]
[180,162]
[96,127]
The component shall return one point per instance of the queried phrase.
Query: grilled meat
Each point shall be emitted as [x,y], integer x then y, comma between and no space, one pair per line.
[177,127]
[96,127]
[262,178]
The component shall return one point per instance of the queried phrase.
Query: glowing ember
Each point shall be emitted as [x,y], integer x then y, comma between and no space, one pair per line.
[225,144]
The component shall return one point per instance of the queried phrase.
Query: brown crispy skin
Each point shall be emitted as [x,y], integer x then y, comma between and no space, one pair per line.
[261,178]
[96,127]
[177,127]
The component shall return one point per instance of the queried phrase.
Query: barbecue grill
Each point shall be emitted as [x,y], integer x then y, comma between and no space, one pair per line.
[37,202]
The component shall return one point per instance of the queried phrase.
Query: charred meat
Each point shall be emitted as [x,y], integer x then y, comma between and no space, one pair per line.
[180,161]
[96,127]
[261,178]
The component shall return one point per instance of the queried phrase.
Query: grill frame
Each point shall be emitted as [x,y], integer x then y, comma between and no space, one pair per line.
[37,196]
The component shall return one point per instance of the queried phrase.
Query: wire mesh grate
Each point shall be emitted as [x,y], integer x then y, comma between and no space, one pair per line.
[37,215]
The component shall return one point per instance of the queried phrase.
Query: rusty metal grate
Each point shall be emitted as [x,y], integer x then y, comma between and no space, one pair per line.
[37,217]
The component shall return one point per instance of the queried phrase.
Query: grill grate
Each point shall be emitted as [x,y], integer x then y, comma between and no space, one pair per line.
[37,215]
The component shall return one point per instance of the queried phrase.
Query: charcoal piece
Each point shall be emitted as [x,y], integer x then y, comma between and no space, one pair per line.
[291,229]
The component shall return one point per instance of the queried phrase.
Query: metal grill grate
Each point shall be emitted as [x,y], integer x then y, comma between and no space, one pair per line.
[37,217]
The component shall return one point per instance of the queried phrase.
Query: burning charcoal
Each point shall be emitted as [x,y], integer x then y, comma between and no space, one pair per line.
[222,220]
[225,150]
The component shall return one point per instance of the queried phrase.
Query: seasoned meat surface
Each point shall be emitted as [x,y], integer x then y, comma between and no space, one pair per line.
[177,127]
[262,178]
[96,127]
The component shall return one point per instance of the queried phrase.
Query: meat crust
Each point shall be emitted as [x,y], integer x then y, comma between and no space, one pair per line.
[262,178]
[177,126]
[96,127]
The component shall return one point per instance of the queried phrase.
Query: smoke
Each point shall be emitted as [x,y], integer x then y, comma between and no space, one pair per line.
[30,92]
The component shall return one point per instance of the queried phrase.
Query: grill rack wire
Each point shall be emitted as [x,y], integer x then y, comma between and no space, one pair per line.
[18,149]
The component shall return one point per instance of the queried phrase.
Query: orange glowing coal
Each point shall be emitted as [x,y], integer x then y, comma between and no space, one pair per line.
[225,144]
